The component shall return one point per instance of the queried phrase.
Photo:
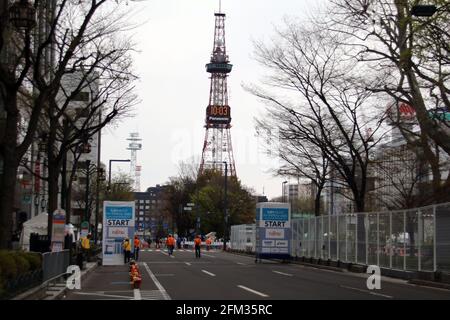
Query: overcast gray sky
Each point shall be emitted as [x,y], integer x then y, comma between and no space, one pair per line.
[175,43]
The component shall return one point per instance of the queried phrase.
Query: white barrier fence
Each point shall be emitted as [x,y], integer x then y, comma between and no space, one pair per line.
[415,239]
[243,237]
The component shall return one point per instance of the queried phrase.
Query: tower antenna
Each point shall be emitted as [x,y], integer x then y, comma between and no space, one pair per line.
[135,145]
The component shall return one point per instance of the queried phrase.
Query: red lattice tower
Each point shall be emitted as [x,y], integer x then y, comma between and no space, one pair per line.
[217,147]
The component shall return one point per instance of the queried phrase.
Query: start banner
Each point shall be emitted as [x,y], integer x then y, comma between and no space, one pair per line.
[118,224]
[273,230]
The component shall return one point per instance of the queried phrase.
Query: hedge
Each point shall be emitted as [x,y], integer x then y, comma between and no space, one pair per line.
[17,263]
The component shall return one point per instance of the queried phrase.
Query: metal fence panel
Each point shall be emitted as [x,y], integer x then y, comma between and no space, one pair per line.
[412,240]
[427,239]
[55,264]
[372,239]
[396,240]
[384,235]
[334,238]
[342,238]
[443,237]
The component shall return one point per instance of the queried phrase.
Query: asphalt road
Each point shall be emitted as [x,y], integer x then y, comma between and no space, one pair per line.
[224,276]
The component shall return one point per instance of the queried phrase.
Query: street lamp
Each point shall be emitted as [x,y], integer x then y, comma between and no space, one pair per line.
[22,15]
[282,190]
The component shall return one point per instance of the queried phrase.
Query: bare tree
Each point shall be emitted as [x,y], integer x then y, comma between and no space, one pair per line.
[325,108]
[299,158]
[76,38]
[409,55]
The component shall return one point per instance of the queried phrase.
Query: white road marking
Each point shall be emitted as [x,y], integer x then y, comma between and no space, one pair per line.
[207,255]
[164,253]
[369,292]
[137,294]
[209,273]
[157,283]
[282,273]
[104,295]
[172,256]
[253,291]
[241,264]
[187,263]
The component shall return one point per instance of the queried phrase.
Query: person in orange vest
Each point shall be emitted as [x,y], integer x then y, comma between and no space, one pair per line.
[208,244]
[197,244]
[137,246]
[170,242]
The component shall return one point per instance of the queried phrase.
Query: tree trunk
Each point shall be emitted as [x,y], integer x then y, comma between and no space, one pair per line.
[53,177]
[8,184]
[317,204]
[10,165]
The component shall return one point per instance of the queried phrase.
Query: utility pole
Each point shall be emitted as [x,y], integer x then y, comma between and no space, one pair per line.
[225,209]
[97,196]
[86,213]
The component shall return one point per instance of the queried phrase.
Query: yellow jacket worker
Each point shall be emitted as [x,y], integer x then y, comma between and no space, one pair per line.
[85,243]
[126,245]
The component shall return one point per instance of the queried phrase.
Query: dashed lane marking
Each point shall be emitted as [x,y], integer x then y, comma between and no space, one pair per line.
[209,273]
[282,273]
[253,291]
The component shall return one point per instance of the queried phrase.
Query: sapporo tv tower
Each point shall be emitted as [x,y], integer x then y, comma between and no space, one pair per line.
[217,147]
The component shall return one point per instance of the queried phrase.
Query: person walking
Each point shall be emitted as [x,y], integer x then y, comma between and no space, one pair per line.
[208,244]
[126,245]
[86,246]
[179,242]
[197,244]
[137,246]
[170,243]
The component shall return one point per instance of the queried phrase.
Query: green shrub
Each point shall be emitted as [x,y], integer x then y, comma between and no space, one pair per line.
[7,265]
[34,259]
[22,264]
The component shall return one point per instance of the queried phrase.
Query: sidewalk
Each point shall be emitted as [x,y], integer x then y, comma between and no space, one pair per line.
[54,290]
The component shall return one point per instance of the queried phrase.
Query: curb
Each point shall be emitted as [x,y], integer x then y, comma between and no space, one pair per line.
[430,284]
[318,266]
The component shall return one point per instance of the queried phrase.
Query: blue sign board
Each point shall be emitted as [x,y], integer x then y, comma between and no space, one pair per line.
[273,230]
[119,223]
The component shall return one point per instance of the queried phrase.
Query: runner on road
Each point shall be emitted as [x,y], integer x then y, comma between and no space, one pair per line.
[197,243]
[170,242]
[137,246]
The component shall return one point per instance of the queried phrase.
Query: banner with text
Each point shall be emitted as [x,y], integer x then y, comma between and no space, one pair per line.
[273,230]
[118,224]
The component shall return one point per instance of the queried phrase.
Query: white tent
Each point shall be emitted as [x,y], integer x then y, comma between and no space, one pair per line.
[37,224]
